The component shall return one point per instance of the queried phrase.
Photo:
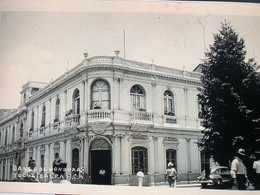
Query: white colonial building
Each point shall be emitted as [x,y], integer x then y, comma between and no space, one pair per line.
[110,113]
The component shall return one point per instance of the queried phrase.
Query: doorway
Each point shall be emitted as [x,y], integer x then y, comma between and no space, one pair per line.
[100,163]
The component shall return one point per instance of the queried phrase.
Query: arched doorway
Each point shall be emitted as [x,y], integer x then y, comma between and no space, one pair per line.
[100,162]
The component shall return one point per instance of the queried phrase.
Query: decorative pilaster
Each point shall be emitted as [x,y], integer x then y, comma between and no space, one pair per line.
[188,154]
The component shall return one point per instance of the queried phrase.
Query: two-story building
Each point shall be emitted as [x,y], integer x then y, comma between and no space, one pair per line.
[111,113]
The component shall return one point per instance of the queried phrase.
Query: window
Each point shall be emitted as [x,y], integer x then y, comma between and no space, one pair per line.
[100,95]
[169,103]
[171,157]
[137,98]
[43,116]
[13,135]
[21,130]
[76,102]
[75,160]
[57,111]
[32,124]
[6,137]
[139,160]
[24,98]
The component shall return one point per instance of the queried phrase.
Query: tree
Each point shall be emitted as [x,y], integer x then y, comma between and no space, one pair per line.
[230,98]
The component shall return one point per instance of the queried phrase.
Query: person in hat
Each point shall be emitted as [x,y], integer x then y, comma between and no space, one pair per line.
[256,166]
[238,171]
[171,174]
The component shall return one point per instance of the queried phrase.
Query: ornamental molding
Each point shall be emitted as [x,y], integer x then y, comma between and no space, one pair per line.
[75,143]
[42,149]
[139,136]
[56,147]
[99,128]
[170,140]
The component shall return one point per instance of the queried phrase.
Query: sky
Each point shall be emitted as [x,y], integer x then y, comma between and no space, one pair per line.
[40,40]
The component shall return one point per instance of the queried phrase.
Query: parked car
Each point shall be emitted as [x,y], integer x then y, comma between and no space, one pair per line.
[219,175]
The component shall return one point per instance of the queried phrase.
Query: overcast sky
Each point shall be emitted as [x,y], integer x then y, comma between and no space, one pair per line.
[39,41]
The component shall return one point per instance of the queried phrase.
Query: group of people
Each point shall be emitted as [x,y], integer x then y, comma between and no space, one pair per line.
[239,171]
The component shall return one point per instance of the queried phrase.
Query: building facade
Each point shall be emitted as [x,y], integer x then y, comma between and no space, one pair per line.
[107,112]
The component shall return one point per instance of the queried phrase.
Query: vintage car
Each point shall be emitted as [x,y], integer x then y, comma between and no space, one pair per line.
[219,175]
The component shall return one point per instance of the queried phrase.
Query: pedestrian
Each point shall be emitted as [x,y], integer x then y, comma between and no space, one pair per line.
[140,176]
[171,174]
[238,171]
[102,176]
[256,166]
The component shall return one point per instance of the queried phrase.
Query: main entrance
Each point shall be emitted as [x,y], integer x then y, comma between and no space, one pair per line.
[100,162]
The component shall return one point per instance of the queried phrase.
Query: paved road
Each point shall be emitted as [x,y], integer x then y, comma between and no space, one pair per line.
[10,188]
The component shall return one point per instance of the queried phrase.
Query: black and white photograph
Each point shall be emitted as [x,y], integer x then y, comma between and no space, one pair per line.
[129,97]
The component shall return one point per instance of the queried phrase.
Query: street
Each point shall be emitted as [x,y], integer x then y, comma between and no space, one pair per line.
[7,188]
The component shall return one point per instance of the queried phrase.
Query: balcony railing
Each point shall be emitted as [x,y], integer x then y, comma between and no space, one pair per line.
[72,120]
[142,116]
[170,119]
[99,115]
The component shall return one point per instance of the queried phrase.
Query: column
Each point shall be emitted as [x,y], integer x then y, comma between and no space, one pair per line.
[7,169]
[68,157]
[49,124]
[1,169]
[65,95]
[151,169]
[155,145]
[86,95]
[86,154]
[81,153]
[116,155]
[47,160]
[51,157]
[188,154]
[38,159]
[8,135]
[62,150]
[186,101]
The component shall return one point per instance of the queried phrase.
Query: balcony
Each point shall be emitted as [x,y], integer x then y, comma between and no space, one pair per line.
[72,121]
[99,116]
[170,119]
[141,117]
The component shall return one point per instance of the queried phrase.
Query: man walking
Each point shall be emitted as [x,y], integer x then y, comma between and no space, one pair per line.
[171,174]
[238,170]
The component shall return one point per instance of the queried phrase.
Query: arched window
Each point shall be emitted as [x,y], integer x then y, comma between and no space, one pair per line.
[43,116]
[57,111]
[139,160]
[100,95]
[21,130]
[75,160]
[169,103]
[76,102]
[171,157]
[137,98]
[32,124]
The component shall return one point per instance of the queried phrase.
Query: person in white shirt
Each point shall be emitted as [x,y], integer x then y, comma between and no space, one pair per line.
[238,170]
[256,166]
[140,176]
[171,174]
